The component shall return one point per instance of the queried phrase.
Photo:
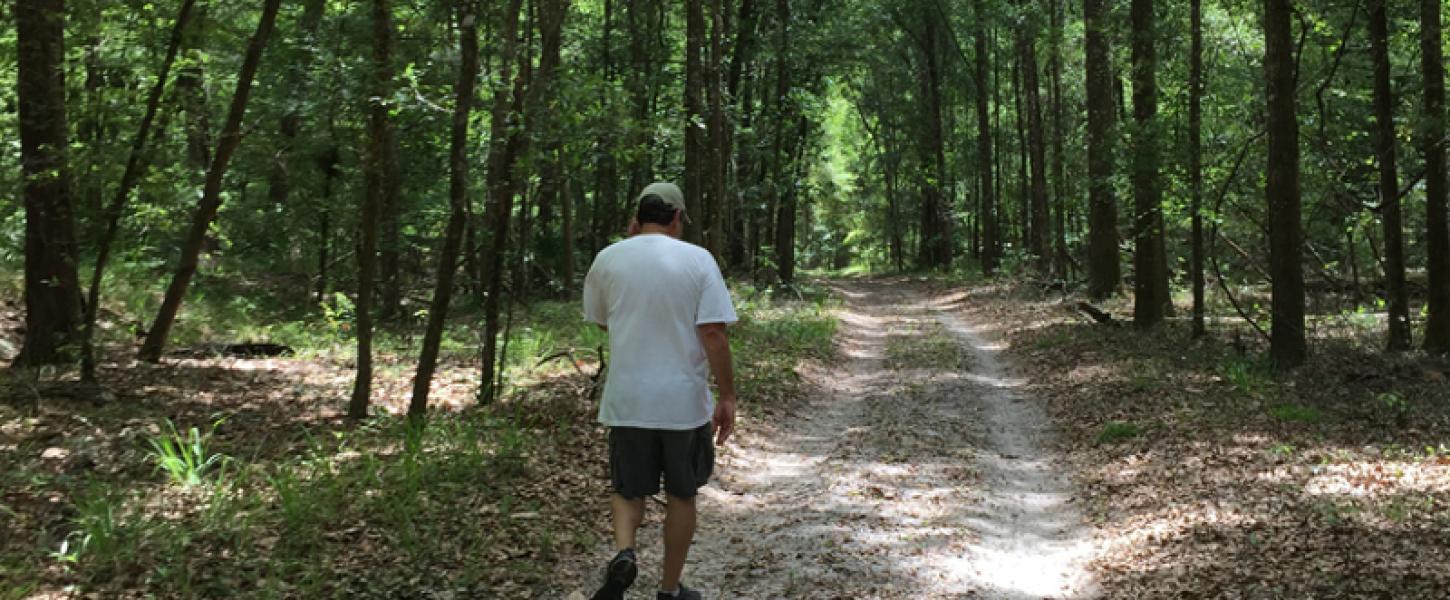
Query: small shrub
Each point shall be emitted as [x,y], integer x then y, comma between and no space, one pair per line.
[1117,431]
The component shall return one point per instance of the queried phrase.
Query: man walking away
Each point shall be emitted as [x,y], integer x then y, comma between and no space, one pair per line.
[666,307]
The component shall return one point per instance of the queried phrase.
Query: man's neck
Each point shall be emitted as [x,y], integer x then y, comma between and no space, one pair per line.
[655,229]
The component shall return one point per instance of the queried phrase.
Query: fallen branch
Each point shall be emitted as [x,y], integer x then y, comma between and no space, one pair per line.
[1099,315]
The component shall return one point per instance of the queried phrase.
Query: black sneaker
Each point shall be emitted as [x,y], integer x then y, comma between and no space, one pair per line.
[684,594]
[618,576]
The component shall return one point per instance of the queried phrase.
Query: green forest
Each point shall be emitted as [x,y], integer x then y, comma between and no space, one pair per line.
[290,294]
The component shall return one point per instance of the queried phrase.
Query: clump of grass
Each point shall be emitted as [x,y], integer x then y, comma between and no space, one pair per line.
[1117,431]
[1249,377]
[1295,413]
[184,457]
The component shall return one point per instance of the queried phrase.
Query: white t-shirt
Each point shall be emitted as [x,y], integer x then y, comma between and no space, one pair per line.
[651,291]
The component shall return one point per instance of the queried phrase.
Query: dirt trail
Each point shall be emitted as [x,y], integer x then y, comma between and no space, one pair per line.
[913,474]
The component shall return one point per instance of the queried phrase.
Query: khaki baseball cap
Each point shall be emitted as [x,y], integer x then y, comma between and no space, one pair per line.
[668,192]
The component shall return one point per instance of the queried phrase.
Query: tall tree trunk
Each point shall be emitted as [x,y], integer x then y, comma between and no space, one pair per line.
[1287,347]
[697,150]
[382,172]
[938,207]
[458,185]
[52,289]
[719,145]
[135,167]
[991,239]
[501,180]
[191,94]
[1432,142]
[782,233]
[1104,273]
[206,210]
[1195,161]
[1148,301]
[740,58]
[1061,260]
[1384,135]
[1024,185]
[1036,143]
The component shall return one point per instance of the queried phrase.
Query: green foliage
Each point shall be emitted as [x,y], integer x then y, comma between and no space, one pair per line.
[1117,431]
[184,457]
[100,535]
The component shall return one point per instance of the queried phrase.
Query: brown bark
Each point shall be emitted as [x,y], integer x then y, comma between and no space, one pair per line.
[719,148]
[696,145]
[206,211]
[1104,272]
[457,188]
[1432,142]
[1287,347]
[380,178]
[1195,161]
[1036,144]
[1061,260]
[52,289]
[1384,136]
[991,239]
[782,231]
[1149,286]
[501,180]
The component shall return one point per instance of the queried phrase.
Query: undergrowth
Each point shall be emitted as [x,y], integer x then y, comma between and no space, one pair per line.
[215,505]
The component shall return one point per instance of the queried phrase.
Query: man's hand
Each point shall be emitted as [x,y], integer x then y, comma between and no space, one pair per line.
[724,419]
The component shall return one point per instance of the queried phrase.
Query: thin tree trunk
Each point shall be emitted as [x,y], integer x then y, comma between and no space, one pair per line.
[719,151]
[1287,347]
[501,180]
[1061,260]
[136,164]
[1024,191]
[1384,131]
[210,202]
[1432,142]
[697,151]
[739,91]
[53,316]
[382,171]
[457,188]
[1148,299]
[1104,273]
[991,239]
[1036,145]
[1195,162]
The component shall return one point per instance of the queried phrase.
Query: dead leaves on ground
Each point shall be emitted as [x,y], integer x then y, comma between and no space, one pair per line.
[1331,482]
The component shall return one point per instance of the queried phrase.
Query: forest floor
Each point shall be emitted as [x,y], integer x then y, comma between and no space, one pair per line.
[961,439]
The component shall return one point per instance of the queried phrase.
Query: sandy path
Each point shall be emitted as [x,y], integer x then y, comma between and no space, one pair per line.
[919,481]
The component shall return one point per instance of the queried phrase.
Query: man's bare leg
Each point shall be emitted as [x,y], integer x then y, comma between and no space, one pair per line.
[679,532]
[628,514]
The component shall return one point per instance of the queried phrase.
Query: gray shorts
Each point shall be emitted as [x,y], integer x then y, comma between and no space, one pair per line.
[639,457]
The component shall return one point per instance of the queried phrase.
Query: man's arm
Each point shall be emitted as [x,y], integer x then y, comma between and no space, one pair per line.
[716,341]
